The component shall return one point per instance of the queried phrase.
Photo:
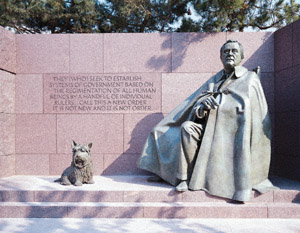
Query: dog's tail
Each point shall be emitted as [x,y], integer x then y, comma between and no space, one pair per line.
[57,180]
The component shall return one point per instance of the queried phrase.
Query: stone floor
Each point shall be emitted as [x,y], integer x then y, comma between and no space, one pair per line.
[78,225]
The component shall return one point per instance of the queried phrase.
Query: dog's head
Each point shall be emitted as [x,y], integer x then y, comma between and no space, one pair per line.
[81,154]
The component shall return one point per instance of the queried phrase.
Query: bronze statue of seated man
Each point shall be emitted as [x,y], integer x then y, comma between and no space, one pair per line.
[218,139]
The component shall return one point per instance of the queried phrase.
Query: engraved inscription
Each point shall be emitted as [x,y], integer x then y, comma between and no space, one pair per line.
[75,93]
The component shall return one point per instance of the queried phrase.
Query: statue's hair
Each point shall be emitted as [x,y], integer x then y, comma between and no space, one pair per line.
[234,41]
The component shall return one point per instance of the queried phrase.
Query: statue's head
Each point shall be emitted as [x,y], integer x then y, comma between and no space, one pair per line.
[231,54]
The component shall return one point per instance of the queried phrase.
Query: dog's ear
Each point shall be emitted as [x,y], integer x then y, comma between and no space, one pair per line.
[90,145]
[74,144]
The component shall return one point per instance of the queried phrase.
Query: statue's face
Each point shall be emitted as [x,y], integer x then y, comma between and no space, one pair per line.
[231,55]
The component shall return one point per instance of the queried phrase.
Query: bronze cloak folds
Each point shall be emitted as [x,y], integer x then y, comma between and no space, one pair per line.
[234,155]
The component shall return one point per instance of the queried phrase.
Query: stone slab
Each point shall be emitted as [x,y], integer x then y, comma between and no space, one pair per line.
[59,162]
[102,93]
[124,164]
[197,52]
[79,196]
[7,165]
[74,225]
[104,131]
[32,164]
[42,53]
[207,210]
[287,91]
[137,52]
[283,44]
[16,196]
[258,49]
[86,53]
[7,134]
[136,130]
[176,87]
[286,135]
[35,133]
[7,50]
[7,92]
[289,196]
[105,212]
[284,210]
[153,196]
[29,93]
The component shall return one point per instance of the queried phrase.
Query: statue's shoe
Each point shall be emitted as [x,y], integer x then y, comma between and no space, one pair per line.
[182,187]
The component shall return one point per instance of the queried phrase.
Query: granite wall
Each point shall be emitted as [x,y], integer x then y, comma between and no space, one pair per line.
[7,102]
[287,101]
[111,89]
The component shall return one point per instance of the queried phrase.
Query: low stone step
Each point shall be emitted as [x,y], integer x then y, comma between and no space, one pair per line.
[147,210]
[124,189]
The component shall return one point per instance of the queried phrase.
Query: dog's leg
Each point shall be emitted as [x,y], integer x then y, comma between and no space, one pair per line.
[91,181]
[78,183]
[65,180]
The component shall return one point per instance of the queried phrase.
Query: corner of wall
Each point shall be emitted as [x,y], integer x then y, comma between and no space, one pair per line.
[7,102]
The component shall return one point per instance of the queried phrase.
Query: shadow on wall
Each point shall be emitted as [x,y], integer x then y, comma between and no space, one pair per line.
[178,52]
[125,164]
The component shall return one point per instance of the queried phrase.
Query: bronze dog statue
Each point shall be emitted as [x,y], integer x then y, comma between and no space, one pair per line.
[81,169]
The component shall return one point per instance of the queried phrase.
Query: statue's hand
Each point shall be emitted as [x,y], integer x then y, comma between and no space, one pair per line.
[210,103]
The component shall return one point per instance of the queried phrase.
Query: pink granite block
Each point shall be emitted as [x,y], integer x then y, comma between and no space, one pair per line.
[59,162]
[105,212]
[102,93]
[29,93]
[287,165]
[16,196]
[43,53]
[26,164]
[14,211]
[86,53]
[283,45]
[201,196]
[136,130]
[165,212]
[79,196]
[137,52]
[284,210]
[8,50]
[7,92]
[47,212]
[286,137]
[258,49]
[7,134]
[267,197]
[296,43]
[197,52]
[176,87]
[227,211]
[7,165]
[35,133]
[152,196]
[287,196]
[124,164]
[104,131]
[287,83]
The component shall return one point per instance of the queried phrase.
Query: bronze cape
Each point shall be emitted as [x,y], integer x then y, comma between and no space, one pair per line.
[234,155]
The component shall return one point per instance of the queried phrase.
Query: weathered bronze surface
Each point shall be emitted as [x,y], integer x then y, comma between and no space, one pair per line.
[81,169]
[218,139]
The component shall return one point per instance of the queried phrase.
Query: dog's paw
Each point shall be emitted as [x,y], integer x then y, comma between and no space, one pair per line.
[78,183]
[65,183]
[91,182]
